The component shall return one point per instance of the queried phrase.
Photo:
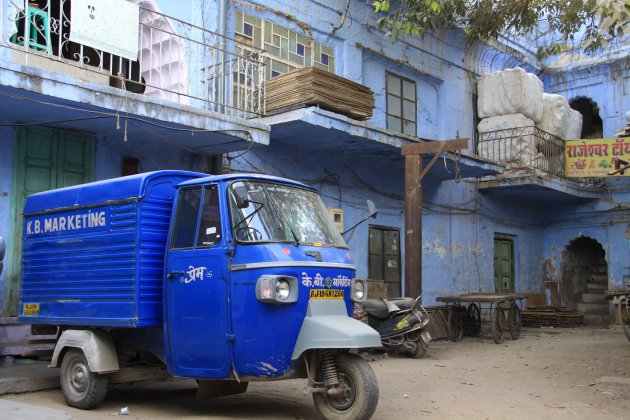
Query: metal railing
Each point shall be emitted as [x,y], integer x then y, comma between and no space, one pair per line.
[177,61]
[523,147]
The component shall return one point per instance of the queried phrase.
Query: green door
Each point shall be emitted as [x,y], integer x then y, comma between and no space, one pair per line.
[44,159]
[503,264]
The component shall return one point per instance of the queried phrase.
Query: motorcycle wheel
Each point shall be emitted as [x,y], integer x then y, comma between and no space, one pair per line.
[421,349]
[360,391]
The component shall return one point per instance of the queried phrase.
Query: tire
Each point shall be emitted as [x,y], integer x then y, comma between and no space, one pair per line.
[624,311]
[473,320]
[514,321]
[498,325]
[421,349]
[456,324]
[81,387]
[361,397]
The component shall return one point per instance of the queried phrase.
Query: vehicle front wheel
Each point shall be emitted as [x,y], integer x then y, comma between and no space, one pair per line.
[359,391]
[421,349]
[81,387]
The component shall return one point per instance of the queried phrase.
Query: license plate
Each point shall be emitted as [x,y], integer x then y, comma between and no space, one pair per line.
[426,337]
[326,294]
[31,309]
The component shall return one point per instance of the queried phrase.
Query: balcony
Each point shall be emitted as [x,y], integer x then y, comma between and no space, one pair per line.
[520,147]
[534,162]
[177,61]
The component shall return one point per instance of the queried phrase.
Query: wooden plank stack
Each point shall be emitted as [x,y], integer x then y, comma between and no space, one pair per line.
[551,316]
[312,86]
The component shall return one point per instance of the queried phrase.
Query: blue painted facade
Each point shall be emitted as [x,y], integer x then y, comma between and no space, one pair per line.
[349,161]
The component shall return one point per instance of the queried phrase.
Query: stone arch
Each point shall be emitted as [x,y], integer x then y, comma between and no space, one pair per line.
[584,279]
[592,124]
[481,58]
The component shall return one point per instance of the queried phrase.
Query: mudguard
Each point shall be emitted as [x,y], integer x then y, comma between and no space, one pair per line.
[328,326]
[97,346]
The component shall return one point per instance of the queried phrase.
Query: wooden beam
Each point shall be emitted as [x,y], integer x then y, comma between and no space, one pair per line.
[413,205]
[433,146]
[413,226]
[434,159]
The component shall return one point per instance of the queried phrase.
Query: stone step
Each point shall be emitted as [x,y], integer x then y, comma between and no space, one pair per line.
[591,286]
[597,319]
[594,308]
[594,297]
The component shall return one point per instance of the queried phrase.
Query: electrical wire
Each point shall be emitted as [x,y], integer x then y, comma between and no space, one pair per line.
[127,117]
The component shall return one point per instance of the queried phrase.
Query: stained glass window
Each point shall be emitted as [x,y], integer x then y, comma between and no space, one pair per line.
[285,50]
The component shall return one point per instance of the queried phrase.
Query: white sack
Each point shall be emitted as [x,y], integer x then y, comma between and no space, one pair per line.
[574,131]
[507,138]
[556,116]
[510,92]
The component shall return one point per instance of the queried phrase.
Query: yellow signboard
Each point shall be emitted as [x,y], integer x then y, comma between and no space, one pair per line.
[596,157]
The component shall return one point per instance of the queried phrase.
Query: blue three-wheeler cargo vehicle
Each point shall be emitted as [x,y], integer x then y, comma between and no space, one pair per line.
[225,279]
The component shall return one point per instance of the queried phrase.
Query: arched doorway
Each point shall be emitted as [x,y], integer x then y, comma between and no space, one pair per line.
[592,126]
[585,279]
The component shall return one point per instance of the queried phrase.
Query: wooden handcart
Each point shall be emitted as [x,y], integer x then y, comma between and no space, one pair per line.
[464,314]
[620,299]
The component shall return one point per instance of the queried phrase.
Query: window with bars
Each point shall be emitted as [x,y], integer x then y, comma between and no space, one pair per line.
[285,50]
[401,104]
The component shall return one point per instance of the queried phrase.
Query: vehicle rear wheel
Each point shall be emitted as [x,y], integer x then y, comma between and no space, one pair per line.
[81,387]
[359,391]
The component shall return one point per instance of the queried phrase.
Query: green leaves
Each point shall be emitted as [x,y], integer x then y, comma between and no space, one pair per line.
[595,23]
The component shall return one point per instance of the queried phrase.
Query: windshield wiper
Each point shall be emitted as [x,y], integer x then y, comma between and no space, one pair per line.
[297,240]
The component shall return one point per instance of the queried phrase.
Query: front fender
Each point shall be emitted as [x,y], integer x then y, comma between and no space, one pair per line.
[327,326]
[97,346]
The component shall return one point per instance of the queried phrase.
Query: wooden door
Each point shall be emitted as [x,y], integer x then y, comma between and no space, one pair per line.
[384,258]
[504,281]
[44,159]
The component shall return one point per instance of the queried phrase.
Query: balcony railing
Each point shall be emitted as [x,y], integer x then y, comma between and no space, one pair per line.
[177,61]
[523,147]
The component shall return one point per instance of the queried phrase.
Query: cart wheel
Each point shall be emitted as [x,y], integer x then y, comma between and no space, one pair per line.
[81,387]
[455,324]
[514,321]
[624,310]
[474,320]
[498,321]
[359,395]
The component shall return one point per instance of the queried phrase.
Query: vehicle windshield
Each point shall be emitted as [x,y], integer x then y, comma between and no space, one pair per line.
[281,213]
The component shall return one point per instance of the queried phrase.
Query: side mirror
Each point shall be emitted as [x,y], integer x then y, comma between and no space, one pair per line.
[372,213]
[372,209]
[240,196]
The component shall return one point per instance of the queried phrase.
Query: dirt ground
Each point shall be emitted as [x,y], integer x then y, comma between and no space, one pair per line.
[581,373]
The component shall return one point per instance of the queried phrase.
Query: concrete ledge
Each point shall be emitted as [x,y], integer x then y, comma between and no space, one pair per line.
[16,410]
[34,376]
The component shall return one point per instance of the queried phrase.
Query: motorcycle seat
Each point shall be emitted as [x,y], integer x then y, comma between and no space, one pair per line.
[403,302]
[383,309]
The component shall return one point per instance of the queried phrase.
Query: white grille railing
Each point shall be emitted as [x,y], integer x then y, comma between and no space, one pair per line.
[178,61]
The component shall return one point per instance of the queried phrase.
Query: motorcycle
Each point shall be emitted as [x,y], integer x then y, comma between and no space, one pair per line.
[401,322]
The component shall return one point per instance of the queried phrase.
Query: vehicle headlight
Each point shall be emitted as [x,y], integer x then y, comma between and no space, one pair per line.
[277,289]
[283,289]
[359,290]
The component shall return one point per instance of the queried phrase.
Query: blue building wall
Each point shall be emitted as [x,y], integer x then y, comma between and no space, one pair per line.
[459,223]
